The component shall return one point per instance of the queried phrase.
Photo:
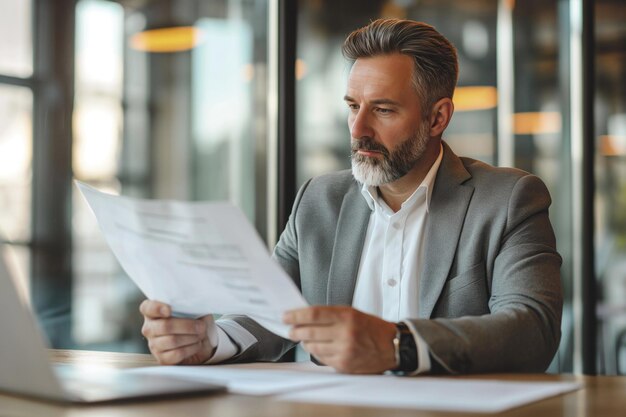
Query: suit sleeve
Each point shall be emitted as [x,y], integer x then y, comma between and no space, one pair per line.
[269,346]
[522,331]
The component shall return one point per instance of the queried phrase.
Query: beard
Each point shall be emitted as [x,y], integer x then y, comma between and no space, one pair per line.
[392,165]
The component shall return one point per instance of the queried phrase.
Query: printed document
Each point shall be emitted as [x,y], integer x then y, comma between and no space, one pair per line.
[199,257]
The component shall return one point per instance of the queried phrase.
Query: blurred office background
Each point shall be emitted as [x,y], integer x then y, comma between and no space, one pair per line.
[241,100]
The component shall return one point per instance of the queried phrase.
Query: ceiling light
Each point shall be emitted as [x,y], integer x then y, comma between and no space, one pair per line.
[171,39]
[534,123]
[470,98]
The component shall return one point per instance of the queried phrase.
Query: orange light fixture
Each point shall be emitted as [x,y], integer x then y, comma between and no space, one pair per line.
[173,39]
[612,145]
[535,123]
[301,69]
[470,98]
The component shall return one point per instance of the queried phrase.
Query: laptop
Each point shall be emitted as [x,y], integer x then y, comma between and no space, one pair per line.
[25,369]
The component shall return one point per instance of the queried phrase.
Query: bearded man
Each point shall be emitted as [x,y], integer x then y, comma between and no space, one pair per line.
[415,261]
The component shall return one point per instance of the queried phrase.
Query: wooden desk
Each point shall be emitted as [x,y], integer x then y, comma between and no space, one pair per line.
[601,396]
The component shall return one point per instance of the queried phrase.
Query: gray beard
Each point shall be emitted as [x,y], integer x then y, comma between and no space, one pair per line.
[374,172]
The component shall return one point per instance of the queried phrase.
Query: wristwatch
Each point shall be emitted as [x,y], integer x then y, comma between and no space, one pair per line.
[405,350]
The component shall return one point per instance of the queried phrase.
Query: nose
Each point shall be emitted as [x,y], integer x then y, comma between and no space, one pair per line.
[359,124]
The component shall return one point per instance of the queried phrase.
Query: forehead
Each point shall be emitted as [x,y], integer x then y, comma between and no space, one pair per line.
[381,76]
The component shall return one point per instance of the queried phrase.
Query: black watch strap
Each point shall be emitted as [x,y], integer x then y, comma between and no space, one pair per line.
[406,351]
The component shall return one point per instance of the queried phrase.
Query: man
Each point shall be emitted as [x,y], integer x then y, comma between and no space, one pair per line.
[417,260]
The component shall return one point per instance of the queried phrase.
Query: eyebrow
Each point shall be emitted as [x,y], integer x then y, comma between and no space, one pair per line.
[376,101]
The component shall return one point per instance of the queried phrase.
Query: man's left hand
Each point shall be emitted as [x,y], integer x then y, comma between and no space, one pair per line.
[346,339]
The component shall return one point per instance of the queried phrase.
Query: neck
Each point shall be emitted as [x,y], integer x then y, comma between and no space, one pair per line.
[397,192]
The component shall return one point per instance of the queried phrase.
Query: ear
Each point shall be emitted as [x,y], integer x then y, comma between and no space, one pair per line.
[440,116]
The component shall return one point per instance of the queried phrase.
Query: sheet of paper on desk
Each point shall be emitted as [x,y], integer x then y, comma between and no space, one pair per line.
[201,258]
[253,378]
[440,394]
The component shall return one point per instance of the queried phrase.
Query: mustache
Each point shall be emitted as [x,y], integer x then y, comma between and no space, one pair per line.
[368,144]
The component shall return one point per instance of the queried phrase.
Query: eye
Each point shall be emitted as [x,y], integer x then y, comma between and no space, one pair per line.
[353,106]
[383,110]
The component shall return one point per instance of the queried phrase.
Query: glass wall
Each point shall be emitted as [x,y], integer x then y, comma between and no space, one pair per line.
[157,119]
[610,172]
[525,43]
[102,298]
[189,121]
[508,51]
[150,118]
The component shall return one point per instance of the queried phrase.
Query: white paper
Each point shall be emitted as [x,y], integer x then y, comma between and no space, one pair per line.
[201,258]
[441,394]
[252,379]
[307,382]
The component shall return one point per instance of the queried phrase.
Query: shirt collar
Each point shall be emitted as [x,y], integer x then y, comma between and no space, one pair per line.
[370,193]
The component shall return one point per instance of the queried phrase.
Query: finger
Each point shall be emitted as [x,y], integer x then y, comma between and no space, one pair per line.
[155,309]
[165,343]
[176,356]
[165,327]
[312,315]
[211,329]
[316,333]
[323,351]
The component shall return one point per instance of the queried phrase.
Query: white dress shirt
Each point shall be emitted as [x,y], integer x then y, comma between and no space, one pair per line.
[391,262]
[389,272]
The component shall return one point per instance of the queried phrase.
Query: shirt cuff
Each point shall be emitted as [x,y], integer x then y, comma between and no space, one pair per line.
[423,352]
[225,347]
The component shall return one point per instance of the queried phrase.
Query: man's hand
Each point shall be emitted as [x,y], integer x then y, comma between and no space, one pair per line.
[346,339]
[177,341]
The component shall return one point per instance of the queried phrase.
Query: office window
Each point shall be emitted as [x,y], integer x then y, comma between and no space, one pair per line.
[102,297]
[161,120]
[191,124]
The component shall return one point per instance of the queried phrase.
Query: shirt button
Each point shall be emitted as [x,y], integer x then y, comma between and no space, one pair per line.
[395,225]
[392,282]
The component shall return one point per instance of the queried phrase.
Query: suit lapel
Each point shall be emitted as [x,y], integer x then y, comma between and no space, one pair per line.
[448,207]
[349,238]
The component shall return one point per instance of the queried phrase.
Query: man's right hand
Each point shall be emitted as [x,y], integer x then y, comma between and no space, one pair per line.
[176,341]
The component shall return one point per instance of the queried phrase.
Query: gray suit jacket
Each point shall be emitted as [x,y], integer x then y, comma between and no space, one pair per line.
[490,295]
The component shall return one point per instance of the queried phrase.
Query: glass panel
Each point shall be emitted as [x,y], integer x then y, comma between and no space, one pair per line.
[541,146]
[15,162]
[16,51]
[97,129]
[223,125]
[101,291]
[610,204]
[186,125]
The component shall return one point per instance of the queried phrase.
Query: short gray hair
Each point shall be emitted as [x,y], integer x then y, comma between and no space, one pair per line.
[435,62]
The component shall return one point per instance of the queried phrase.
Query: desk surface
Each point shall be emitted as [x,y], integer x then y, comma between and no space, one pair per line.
[601,396]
